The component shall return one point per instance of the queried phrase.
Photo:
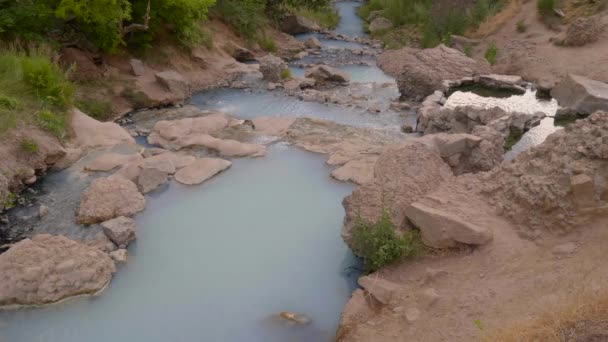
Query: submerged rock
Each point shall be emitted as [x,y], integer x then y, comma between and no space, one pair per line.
[107,198]
[201,170]
[295,318]
[46,269]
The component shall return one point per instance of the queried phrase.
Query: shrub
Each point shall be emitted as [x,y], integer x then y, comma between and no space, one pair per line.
[245,16]
[545,7]
[267,44]
[285,74]
[52,121]
[48,80]
[521,26]
[491,53]
[8,102]
[440,29]
[380,246]
[28,146]
[100,110]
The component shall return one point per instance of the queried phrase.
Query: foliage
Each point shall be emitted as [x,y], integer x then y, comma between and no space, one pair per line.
[285,74]
[33,89]
[521,26]
[28,146]
[545,7]
[245,16]
[267,44]
[380,246]
[100,110]
[491,53]
[326,17]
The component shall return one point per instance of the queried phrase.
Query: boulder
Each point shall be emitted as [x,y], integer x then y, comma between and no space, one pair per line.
[326,74]
[379,24]
[120,230]
[109,161]
[294,24]
[583,31]
[420,72]
[443,230]
[174,82]
[581,94]
[312,43]
[119,256]
[151,179]
[90,133]
[137,67]
[201,170]
[46,269]
[381,289]
[107,198]
[272,68]
[403,174]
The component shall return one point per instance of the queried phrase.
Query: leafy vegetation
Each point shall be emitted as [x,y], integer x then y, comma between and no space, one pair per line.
[28,146]
[33,89]
[267,44]
[100,110]
[285,74]
[434,26]
[545,7]
[491,53]
[380,246]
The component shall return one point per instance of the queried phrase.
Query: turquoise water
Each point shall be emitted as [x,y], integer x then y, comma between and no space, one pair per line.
[350,23]
[216,262]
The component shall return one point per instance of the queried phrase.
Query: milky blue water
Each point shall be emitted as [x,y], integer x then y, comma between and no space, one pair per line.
[350,23]
[216,262]
[357,73]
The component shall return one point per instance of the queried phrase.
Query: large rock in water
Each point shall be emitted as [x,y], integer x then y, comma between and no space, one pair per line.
[294,24]
[46,269]
[272,67]
[326,74]
[107,198]
[420,72]
[402,175]
[581,94]
[201,170]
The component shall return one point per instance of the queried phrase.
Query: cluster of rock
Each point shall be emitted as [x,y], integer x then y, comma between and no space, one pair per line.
[420,72]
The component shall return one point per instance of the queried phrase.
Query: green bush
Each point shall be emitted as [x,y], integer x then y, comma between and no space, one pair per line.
[545,7]
[285,74]
[491,53]
[48,80]
[521,26]
[52,121]
[28,146]
[100,110]
[380,246]
[245,16]
[267,44]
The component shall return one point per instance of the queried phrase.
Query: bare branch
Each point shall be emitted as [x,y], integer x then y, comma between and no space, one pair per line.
[138,27]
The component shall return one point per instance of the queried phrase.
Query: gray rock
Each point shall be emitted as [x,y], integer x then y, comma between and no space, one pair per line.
[271,68]
[137,67]
[312,43]
[150,179]
[326,74]
[120,230]
[581,94]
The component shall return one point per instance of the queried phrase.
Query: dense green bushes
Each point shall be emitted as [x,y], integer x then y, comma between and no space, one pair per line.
[380,246]
[435,26]
[33,89]
[106,23]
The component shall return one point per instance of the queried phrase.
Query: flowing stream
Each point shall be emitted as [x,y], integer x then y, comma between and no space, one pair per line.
[219,261]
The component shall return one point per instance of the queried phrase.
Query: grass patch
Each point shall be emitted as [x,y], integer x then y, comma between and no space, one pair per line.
[100,110]
[285,74]
[28,146]
[380,246]
[545,7]
[325,17]
[514,137]
[34,90]
[267,44]
[521,26]
[491,53]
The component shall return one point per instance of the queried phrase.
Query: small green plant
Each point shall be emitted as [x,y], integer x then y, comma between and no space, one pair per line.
[9,201]
[514,136]
[285,74]
[100,110]
[9,103]
[468,51]
[380,245]
[52,122]
[478,324]
[491,53]
[28,146]
[267,44]
[545,7]
[521,26]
